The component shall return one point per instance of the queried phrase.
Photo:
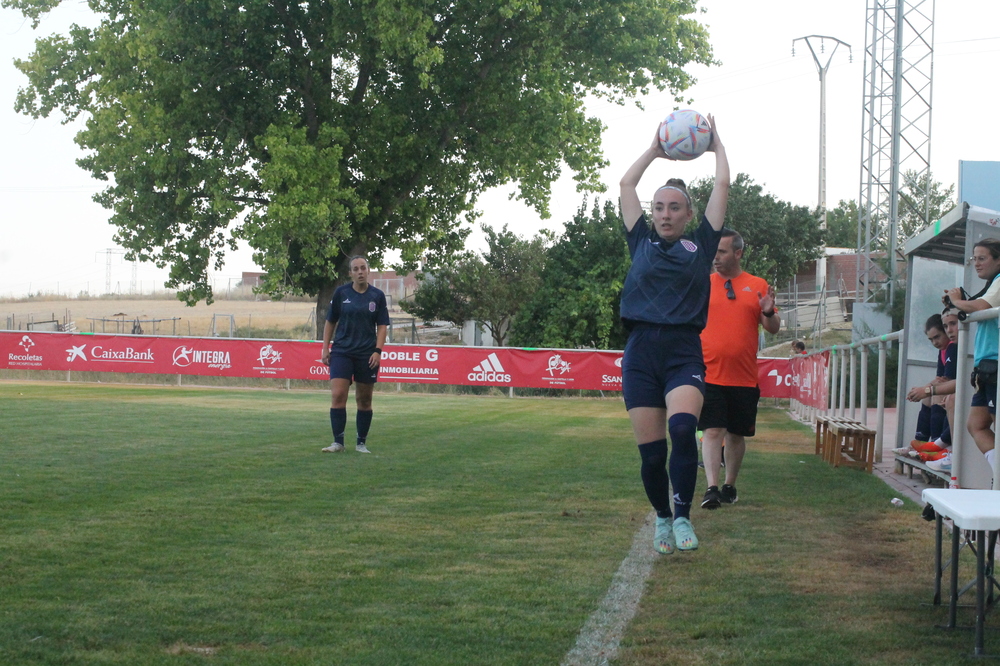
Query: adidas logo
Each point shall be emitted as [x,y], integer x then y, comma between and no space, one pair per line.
[747,288]
[490,369]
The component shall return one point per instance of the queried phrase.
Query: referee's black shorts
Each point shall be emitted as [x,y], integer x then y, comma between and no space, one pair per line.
[731,407]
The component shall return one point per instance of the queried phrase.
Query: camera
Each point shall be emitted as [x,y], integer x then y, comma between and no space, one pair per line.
[949,305]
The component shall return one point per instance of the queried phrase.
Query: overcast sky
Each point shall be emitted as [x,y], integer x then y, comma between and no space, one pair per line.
[765,101]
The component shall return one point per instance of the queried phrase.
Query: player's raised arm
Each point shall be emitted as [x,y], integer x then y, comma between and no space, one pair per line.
[631,208]
[715,211]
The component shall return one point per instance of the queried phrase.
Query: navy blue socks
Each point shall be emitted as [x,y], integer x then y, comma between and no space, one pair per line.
[654,476]
[364,422]
[683,430]
[338,421]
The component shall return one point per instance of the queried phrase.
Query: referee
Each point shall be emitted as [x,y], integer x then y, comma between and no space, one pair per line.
[357,322]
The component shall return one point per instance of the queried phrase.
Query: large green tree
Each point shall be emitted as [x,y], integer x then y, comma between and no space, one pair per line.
[779,236]
[842,225]
[323,128]
[490,290]
[582,281]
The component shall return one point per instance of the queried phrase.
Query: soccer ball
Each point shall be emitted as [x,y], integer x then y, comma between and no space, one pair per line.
[685,135]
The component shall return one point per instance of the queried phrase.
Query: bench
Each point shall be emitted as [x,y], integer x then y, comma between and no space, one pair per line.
[843,441]
[906,464]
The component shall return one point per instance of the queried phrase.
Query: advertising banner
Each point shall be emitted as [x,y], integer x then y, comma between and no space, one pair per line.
[810,380]
[298,359]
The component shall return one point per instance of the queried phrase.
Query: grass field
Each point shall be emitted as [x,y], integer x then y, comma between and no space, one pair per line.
[195,526]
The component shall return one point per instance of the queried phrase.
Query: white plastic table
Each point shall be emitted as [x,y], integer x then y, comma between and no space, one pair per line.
[978,511]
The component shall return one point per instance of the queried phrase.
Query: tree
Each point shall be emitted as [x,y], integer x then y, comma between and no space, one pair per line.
[578,304]
[488,290]
[321,129]
[842,225]
[779,237]
[921,201]
[444,294]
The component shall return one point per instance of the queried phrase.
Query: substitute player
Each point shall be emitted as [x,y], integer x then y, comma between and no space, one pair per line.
[357,322]
[664,305]
[740,303]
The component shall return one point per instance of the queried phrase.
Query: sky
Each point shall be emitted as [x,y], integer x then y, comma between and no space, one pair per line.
[765,101]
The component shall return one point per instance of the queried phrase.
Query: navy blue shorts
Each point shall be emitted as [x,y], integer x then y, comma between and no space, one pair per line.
[986,396]
[352,367]
[731,407]
[657,360]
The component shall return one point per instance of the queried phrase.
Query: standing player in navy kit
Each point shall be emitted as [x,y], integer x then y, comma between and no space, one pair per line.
[665,305]
[359,316]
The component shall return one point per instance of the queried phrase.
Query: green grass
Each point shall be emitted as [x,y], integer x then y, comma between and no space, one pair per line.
[188,526]
[143,522]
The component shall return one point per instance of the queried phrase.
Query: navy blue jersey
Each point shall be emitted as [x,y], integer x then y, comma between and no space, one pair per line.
[946,366]
[668,282]
[356,316]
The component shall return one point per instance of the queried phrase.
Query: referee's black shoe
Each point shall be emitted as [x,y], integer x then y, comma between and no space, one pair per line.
[713,498]
[729,495]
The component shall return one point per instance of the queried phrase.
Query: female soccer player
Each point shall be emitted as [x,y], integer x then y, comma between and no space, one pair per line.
[359,316]
[986,260]
[664,305]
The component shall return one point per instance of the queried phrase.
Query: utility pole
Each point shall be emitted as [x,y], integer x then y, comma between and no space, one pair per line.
[107,273]
[822,69]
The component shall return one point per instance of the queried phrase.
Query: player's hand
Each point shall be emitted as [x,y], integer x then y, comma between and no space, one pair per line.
[374,360]
[326,356]
[916,394]
[655,146]
[954,295]
[716,141]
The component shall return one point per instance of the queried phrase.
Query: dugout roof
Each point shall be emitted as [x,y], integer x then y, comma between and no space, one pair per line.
[945,239]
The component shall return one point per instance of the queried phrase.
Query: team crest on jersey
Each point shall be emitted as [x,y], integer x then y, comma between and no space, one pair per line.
[371,306]
[689,246]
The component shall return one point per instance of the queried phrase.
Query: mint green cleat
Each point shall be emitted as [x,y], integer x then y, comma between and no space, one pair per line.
[663,541]
[684,534]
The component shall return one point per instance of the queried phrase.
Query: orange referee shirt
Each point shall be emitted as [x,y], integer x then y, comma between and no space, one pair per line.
[729,341]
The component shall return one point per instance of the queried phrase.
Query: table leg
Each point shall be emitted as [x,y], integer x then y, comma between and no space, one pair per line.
[980,589]
[953,608]
[938,572]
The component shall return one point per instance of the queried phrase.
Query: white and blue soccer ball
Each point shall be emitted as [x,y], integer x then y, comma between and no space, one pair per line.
[685,135]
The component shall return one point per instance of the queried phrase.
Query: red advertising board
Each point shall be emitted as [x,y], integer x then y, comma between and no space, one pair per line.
[296,359]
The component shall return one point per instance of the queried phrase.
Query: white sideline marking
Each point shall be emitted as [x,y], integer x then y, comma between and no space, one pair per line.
[602,632]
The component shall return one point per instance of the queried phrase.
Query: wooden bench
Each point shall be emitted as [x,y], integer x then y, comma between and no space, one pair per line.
[843,441]
[906,464]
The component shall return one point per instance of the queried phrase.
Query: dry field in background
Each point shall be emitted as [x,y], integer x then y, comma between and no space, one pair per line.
[195,320]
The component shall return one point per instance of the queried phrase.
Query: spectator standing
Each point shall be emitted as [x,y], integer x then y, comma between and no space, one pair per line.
[982,414]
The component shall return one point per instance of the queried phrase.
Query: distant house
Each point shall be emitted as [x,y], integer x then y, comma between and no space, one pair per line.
[396,287]
[841,272]
[252,279]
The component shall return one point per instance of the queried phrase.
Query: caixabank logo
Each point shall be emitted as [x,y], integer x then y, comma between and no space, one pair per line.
[102,353]
[25,359]
[490,369]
